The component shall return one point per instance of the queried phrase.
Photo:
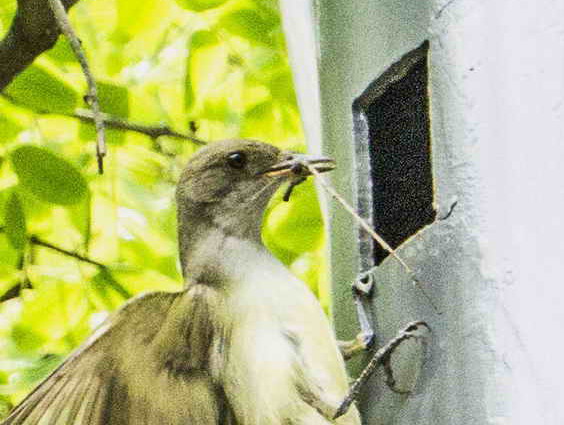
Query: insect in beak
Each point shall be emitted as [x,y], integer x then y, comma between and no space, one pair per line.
[296,168]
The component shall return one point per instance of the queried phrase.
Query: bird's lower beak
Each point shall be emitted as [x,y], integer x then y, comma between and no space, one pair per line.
[297,165]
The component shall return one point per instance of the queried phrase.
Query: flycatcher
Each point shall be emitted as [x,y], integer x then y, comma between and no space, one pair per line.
[245,343]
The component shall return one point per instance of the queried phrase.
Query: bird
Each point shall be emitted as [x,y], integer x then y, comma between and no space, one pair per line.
[244,342]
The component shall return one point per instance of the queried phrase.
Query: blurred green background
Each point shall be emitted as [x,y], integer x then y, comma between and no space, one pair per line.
[213,69]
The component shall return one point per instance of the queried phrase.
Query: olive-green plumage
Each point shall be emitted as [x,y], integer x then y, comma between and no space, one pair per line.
[245,343]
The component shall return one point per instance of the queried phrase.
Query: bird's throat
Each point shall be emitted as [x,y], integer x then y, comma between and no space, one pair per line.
[215,256]
[211,235]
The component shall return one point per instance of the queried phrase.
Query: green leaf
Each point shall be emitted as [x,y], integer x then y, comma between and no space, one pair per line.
[199,42]
[26,339]
[114,100]
[306,268]
[115,62]
[7,11]
[8,265]
[108,290]
[259,121]
[39,370]
[14,222]
[8,129]
[282,88]
[202,38]
[217,109]
[296,225]
[41,89]
[52,315]
[81,217]
[270,13]
[62,52]
[249,24]
[200,5]
[48,176]
[134,18]
[5,406]
[101,296]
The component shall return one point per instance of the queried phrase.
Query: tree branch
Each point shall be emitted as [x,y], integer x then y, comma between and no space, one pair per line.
[111,121]
[92,97]
[15,291]
[23,282]
[112,282]
[148,130]
[33,31]
[40,242]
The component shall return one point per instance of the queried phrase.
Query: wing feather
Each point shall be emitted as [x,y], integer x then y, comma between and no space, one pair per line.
[120,377]
[65,411]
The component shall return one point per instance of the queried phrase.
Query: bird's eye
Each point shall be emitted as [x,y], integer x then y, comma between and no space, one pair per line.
[237,160]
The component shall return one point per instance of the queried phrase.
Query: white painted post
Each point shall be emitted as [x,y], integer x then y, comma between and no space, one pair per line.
[495,266]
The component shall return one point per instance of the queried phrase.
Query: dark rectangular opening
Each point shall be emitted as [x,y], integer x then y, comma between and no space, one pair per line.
[392,122]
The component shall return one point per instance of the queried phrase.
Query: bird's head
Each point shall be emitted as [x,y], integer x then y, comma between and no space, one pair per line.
[227,185]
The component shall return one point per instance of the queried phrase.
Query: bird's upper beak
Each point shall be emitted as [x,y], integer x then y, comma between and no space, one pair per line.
[296,165]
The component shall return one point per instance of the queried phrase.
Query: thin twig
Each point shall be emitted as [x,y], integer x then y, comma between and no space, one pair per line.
[13,292]
[148,130]
[40,242]
[372,233]
[92,97]
[23,282]
[34,240]
[111,121]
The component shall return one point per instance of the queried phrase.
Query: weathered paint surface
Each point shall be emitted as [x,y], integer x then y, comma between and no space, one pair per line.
[495,266]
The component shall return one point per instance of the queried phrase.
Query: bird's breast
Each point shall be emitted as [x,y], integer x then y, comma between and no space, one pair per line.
[276,330]
[276,340]
[260,360]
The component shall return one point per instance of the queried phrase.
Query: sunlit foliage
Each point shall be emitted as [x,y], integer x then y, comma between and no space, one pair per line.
[210,68]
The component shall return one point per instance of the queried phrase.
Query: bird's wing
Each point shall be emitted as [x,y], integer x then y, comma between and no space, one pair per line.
[123,374]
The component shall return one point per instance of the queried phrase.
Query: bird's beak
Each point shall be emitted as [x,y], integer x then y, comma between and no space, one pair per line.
[296,165]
